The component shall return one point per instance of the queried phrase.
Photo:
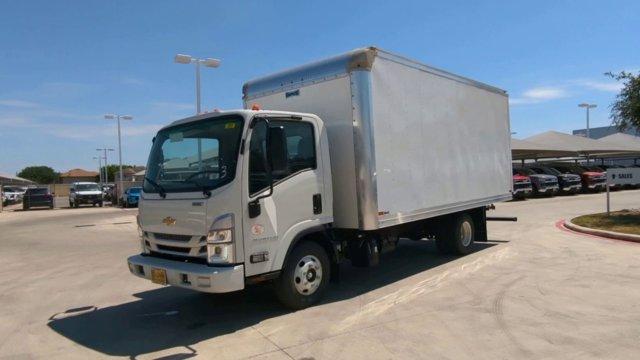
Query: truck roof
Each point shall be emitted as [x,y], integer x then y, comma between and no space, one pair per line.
[326,69]
[241,112]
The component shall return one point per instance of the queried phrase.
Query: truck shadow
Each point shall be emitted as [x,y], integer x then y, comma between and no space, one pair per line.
[170,317]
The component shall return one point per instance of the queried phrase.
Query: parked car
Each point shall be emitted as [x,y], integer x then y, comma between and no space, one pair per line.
[85,193]
[567,183]
[12,194]
[37,197]
[542,184]
[592,181]
[522,187]
[131,196]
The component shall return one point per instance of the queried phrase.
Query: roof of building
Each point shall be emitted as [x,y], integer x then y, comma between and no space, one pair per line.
[560,141]
[16,179]
[621,137]
[523,149]
[79,173]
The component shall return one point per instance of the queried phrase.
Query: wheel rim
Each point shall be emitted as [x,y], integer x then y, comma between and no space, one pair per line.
[466,233]
[307,275]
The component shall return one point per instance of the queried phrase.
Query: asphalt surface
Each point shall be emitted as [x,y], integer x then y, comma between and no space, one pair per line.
[534,291]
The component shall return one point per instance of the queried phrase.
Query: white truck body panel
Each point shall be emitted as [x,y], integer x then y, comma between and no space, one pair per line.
[407,141]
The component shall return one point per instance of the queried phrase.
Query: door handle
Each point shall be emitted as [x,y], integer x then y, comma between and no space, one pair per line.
[317,204]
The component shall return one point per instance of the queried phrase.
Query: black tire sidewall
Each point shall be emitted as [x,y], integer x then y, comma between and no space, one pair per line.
[456,242]
[284,285]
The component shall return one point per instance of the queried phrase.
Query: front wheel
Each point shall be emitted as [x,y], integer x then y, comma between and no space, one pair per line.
[305,276]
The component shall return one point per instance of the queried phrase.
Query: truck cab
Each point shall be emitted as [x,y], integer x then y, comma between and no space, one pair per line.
[227,193]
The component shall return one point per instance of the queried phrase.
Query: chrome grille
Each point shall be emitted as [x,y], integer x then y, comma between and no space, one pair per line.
[177,249]
[172,237]
[188,246]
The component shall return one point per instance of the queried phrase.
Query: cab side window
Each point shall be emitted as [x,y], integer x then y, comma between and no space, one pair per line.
[300,149]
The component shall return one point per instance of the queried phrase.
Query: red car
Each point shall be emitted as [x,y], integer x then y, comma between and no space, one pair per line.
[521,186]
[592,181]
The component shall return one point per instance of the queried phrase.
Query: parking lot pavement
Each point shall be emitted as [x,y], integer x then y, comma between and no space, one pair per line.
[533,291]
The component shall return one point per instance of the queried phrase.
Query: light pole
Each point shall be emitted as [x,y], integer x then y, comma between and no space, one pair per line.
[106,164]
[208,62]
[99,158]
[118,117]
[587,106]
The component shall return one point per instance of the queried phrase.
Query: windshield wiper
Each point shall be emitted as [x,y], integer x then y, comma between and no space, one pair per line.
[190,179]
[161,190]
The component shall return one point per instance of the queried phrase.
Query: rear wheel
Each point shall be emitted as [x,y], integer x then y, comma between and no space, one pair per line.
[456,235]
[304,277]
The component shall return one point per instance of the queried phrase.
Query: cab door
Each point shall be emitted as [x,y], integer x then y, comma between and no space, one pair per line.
[283,186]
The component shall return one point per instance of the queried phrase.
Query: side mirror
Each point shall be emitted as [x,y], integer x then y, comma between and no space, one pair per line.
[277,150]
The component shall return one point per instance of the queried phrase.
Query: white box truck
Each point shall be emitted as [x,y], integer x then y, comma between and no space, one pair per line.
[349,154]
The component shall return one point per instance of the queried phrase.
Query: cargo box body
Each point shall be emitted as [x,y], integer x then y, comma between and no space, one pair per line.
[407,141]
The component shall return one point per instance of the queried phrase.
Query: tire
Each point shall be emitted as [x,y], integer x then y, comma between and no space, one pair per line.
[456,236]
[308,261]
[100,204]
[75,205]
[70,204]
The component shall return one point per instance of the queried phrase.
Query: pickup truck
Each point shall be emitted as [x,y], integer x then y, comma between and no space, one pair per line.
[522,187]
[592,181]
[567,183]
[331,161]
[543,184]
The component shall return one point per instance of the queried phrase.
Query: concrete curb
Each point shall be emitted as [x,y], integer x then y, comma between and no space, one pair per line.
[603,233]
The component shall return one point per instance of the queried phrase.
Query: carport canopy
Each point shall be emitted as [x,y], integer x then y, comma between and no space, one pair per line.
[555,140]
[523,149]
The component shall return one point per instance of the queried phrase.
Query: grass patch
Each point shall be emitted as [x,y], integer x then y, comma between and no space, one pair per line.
[624,221]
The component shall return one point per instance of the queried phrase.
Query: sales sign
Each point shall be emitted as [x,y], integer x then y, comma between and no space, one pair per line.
[623,176]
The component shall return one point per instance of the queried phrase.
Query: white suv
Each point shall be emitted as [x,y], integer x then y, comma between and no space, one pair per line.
[85,193]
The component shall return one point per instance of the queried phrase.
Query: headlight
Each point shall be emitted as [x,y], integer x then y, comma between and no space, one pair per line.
[220,246]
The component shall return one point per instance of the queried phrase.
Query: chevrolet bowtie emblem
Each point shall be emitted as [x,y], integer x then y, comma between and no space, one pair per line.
[169,221]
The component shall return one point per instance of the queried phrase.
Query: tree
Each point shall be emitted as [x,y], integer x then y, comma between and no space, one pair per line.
[39,174]
[112,169]
[625,111]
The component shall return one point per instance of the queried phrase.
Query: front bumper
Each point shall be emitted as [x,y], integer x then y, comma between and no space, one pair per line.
[598,186]
[574,187]
[198,277]
[522,192]
[548,189]
[88,199]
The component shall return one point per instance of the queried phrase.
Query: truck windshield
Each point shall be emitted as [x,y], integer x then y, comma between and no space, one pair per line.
[87,187]
[194,156]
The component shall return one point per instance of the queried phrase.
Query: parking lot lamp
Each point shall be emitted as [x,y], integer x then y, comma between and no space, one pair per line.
[208,62]
[99,168]
[587,106]
[118,118]
[106,163]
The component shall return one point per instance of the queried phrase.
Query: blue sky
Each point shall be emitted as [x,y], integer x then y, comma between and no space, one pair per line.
[64,64]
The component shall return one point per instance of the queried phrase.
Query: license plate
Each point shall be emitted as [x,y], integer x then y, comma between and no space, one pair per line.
[159,276]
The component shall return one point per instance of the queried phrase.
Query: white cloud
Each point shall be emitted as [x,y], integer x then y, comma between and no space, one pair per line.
[539,94]
[603,86]
[18,103]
